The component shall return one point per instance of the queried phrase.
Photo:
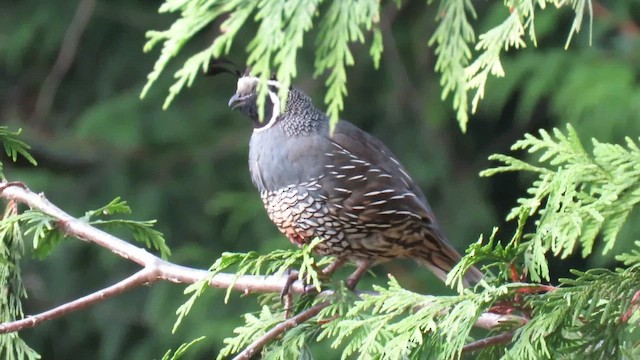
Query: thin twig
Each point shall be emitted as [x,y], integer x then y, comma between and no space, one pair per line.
[67,53]
[141,277]
[280,329]
[633,306]
[490,341]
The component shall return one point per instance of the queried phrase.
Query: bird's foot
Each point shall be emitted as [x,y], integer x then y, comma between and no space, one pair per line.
[352,281]
[324,274]
[354,278]
[294,275]
[286,296]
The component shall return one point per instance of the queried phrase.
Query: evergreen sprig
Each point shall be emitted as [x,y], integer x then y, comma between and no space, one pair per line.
[11,250]
[577,195]
[182,349]
[14,147]
[12,289]
[341,25]
[396,323]
[490,44]
[585,317]
[632,258]
[453,39]
[281,29]
[282,25]
[45,234]
[294,343]
[393,323]
[455,35]
[277,263]
[142,231]
[255,326]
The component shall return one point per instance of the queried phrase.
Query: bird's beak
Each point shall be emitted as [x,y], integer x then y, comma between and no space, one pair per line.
[235,101]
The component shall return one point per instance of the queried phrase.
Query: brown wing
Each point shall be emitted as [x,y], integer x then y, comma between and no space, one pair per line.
[367,180]
[368,189]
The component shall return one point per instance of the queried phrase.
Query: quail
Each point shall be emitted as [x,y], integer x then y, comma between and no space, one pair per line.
[344,187]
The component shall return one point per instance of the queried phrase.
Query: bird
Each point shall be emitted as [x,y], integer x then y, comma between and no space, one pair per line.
[341,185]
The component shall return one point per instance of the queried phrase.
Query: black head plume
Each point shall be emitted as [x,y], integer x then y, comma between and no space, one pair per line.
[221,66]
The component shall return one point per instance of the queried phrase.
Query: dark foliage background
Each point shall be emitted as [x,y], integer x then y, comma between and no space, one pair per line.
[187,166]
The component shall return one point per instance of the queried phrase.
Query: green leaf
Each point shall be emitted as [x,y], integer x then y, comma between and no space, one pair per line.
[11,285]
[116,206]
[255,326]
[14,147]
[453,38]
[182,349]
[275,263]
[280,34]
[577,195]
[142,232]
[341,25]
[632,258]
[45,233]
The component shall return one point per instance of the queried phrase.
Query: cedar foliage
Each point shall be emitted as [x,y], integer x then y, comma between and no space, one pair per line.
[578,202]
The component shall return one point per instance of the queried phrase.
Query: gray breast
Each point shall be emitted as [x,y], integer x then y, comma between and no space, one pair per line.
[278,160]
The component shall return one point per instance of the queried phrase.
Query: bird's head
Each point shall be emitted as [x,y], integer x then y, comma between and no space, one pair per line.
[246,101]
[298,117]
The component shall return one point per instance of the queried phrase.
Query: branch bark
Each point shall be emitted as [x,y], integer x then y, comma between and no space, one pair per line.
[490,341]
[155,269]
[141,277]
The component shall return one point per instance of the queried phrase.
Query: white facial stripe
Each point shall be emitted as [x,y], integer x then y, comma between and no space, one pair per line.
[275,112]
[246,83]
[274,83]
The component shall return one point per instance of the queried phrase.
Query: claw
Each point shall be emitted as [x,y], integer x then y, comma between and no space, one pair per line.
[310,290]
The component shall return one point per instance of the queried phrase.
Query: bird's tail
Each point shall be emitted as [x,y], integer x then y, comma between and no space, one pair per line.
[439,257]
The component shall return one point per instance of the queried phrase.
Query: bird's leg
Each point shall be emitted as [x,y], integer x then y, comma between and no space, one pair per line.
[362,267]
[331,268]
[326,273]
[285,293]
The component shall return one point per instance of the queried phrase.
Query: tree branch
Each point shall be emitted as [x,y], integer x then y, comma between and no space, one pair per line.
[141,277]
[155,269]
[490,341]
[163,269]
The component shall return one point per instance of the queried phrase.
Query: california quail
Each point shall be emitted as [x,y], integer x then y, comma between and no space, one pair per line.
[345,188]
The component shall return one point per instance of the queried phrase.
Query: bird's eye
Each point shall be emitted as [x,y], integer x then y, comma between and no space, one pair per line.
[273,76]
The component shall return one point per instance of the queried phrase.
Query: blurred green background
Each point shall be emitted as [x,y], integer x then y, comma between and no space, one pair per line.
[187,166]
